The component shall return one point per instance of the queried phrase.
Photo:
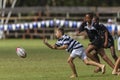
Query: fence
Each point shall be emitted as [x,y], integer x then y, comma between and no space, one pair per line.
[74,13]
[39,22]
[37,29]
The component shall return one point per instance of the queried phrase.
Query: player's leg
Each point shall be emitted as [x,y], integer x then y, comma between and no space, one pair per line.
[93,57]
[95,54]
[112,49]
[88,50]
[89,62]
[105,58]
[72,65]
[117,64]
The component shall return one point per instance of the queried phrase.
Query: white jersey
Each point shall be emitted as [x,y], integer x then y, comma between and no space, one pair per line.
[118,43]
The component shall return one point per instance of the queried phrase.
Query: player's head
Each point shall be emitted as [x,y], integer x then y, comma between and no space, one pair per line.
[59,32]
[88,18]
[110,21]
[96,19]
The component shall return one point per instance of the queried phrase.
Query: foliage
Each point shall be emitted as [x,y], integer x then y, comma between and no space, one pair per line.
[68,2]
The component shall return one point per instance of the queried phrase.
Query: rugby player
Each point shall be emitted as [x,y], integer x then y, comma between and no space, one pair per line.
[75,49]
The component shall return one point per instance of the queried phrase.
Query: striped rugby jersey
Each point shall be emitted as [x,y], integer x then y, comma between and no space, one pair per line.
[67,40]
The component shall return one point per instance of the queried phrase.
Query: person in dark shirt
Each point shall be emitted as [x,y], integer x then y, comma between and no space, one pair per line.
[108,41]
[96,42]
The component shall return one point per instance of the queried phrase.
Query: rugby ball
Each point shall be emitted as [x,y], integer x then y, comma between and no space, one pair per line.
[21,52]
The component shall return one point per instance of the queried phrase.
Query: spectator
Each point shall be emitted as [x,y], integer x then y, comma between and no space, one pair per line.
[112,28]
[118,43]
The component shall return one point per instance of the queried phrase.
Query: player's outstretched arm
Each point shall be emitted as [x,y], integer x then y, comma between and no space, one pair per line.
[49,45]
[54,46]
[80,33]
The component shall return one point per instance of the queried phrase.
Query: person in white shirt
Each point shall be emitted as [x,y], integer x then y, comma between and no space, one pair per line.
[111,27]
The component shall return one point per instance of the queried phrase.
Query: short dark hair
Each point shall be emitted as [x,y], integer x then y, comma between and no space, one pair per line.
[61,30]
[96,19]
[90,14]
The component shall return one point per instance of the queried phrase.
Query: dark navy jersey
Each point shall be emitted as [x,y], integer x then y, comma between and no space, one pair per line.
[67,40]
[102,29]
[92,31]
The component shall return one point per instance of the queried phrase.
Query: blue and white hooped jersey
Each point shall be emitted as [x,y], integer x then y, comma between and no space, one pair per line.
[67,40]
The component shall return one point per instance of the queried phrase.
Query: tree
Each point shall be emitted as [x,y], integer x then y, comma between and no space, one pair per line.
[68,2]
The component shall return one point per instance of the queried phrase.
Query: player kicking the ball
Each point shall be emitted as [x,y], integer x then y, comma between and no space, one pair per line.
[74,48]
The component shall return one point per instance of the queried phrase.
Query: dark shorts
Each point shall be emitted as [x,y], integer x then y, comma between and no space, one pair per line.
[110,42]
[98,43]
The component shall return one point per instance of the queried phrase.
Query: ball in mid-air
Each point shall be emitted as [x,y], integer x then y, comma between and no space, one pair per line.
[21,52]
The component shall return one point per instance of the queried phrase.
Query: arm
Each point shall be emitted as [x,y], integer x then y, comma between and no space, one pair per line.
[54,46]
[80,31]
[62,47]
[106,35]
[48,45]
[104,30]
[106,39]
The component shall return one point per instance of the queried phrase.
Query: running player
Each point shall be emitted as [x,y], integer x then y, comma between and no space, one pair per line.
[106,37]
[108,41]
[95,39]
[74,48]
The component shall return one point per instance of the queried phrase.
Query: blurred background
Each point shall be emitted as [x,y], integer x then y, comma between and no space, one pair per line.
[36,19]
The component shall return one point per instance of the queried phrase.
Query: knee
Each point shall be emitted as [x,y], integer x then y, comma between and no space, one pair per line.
[86,62]
[119,58]
[104,57]
[69,61]
[87,53]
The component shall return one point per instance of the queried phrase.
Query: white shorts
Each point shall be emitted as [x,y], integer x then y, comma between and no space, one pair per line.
[118,42]
[80,52]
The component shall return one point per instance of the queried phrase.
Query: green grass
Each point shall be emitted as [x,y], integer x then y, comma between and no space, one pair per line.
[43,63]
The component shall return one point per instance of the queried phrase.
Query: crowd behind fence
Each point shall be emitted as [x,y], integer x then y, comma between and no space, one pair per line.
[40,29]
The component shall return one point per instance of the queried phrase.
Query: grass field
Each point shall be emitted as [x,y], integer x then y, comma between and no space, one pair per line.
[43,63]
